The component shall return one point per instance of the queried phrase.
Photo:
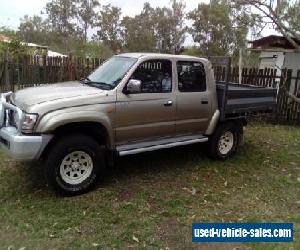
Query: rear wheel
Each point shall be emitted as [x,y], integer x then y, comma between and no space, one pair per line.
[74,164]
[224,142]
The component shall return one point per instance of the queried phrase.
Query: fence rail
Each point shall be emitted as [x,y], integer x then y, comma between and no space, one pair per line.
[26,71]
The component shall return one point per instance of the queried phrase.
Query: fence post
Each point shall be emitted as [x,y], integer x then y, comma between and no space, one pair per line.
[70,67]
[240,65]
[6,72]
[228,70]
[44,65]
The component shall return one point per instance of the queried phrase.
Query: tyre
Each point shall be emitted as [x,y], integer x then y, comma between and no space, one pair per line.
[74,164]
[224,142]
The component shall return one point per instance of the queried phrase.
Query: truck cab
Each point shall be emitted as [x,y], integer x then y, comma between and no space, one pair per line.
[164,96]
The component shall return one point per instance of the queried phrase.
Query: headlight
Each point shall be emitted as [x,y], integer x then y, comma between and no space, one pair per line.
[29,121]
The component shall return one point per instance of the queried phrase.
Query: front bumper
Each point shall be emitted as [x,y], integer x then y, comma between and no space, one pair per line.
[20,147]
[14,143]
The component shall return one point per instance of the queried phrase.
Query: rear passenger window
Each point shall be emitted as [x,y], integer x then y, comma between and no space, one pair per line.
[191,77]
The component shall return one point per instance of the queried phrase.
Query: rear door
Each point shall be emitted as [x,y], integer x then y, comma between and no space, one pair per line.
[150,114]
[193,98]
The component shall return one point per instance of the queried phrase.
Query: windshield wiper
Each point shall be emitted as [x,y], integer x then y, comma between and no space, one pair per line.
[83,80]
[101,85]
[116,82]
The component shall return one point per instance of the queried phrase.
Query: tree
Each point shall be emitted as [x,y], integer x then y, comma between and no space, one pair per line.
[211,28]
[220,29]
[282,14]
[86,14]
[178,28]
[191,51]
[8,32]
[15,48]
[109,27]
[61,15]
[32,30]
[139,28]
[169,27]
[97,50]
[13,45]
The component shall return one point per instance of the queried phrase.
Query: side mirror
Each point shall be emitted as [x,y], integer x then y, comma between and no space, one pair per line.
[133,86]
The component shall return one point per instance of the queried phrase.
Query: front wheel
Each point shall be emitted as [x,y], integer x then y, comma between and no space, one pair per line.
[74,164]
[224,142]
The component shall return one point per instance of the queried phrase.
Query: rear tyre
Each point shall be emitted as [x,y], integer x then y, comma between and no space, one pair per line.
[74,164]
[224,142]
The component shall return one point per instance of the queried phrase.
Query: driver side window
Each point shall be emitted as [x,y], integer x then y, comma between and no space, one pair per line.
[155,76]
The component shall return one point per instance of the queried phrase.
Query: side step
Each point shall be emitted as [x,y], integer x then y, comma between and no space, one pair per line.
[136,148]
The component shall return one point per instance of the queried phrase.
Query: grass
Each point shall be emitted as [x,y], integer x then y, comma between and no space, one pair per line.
[150,200]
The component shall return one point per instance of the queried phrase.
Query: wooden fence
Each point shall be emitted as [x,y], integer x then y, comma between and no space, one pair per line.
[28,71]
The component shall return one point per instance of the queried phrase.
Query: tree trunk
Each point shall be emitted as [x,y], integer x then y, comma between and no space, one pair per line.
[6,71]
[85,31]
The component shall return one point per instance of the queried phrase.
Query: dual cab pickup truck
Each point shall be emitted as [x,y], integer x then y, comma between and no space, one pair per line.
[132,103]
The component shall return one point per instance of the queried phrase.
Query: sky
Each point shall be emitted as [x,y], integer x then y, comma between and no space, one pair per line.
[12,10]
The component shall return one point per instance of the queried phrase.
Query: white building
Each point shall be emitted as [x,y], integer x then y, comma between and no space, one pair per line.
[278,53]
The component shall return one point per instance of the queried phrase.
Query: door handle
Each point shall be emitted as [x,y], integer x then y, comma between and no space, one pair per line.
[168,103]
[204,101]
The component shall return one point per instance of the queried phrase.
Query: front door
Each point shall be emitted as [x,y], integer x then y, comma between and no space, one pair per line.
[193,98]
[150,114]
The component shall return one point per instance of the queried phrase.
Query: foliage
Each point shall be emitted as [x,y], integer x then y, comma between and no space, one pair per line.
[33,30]
[219,28]
[108,24]
[61,14]
[7,32]
[98,50]
[169,27]
[86,13]
[283,15]
[139,28]
[160,29]
[14,48]
[177,27]
[192,51]
[90,49]
[291,15]
[251,59]
[154,29]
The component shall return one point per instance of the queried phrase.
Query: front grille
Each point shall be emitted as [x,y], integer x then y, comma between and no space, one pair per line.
[10,116]
[9,111]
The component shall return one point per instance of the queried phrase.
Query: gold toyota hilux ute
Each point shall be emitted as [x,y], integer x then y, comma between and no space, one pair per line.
[132,103]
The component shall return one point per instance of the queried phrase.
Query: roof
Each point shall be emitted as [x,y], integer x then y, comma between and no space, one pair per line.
[34,45]
[51,53]
[167,56]
[4,38]
[273,41]
[273,50]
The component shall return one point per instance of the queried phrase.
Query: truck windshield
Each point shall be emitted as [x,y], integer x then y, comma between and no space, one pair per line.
[111,72]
